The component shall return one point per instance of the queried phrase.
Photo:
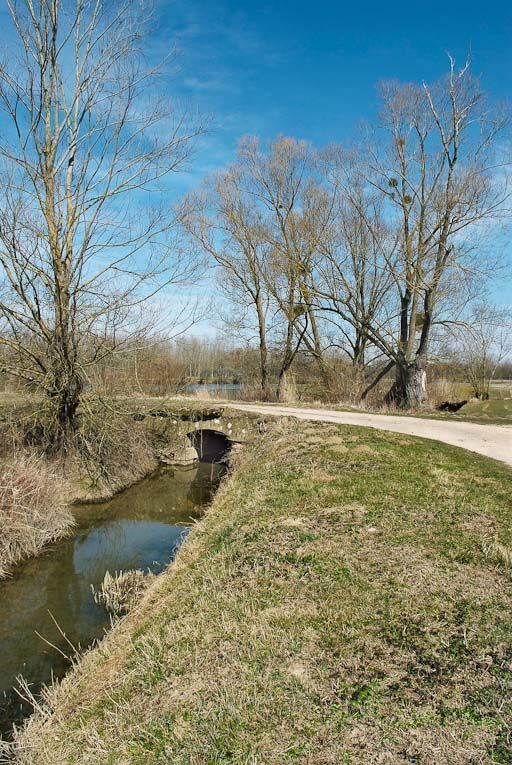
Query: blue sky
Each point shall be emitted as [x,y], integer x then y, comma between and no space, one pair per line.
[310,69]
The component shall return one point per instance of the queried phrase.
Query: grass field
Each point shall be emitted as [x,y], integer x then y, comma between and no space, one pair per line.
[494,410]
[346,601]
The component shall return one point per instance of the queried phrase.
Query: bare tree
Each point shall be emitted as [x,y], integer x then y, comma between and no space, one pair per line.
[411,243]
[228,228]
[482,344]
[440,176]
[354,281]
[283,182]
[79,247]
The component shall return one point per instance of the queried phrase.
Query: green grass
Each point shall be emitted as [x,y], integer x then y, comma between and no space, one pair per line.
[495,410]
[346,600]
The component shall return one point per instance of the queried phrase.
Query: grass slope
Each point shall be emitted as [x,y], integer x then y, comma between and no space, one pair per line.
[346,601]
[494,410]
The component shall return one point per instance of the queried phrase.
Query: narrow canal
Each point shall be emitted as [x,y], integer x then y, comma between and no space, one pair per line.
[48,603]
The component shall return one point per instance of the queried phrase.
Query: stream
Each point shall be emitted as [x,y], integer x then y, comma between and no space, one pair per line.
[140,528]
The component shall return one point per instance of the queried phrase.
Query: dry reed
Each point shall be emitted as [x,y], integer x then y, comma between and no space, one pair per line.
[32,511]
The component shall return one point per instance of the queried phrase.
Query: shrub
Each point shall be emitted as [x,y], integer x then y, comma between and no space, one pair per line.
[111,449]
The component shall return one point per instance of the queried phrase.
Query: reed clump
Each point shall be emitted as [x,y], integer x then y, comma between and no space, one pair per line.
[119,592]
[32,510]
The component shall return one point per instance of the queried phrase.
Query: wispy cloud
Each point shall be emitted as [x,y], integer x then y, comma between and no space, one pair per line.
[206,84]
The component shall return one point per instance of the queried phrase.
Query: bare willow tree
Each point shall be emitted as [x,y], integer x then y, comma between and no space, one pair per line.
[408,237]
[353,285]
[229,229]
[441,175]
[283,182]
[82,243]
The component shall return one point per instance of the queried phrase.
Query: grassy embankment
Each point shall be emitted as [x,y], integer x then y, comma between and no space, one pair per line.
[345,601]
[494,411]
[116,445]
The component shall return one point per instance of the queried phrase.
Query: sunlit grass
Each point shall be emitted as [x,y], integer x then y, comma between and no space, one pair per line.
[493,410]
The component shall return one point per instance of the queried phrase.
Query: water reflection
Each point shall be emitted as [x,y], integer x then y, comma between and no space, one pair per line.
[141,528]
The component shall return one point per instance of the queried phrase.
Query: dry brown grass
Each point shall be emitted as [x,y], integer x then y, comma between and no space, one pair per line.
[499,553]
[444,389]
[121,591]
[32,511]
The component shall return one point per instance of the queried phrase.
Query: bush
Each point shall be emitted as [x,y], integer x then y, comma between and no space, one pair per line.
[111,448]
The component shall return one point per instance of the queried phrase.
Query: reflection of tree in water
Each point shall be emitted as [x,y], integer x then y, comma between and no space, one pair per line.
[43,586]
[164,497]
[124,545]
[205,484]
[134,530]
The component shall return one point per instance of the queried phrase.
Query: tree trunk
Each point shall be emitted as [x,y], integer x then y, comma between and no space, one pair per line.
[263,349]
[265,388]
[409,391]
[66,394]
[316,347]
[67,408]
[325,373]
[283,392]
[286,387]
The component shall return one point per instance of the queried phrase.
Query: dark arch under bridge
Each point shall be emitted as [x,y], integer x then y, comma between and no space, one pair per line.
[211,445]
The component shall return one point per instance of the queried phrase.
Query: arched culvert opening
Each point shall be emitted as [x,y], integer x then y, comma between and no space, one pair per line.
[211,445]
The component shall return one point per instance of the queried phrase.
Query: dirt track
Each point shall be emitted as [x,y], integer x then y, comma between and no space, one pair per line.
[489,440]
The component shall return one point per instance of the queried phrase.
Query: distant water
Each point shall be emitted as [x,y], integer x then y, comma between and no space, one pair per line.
[221,390]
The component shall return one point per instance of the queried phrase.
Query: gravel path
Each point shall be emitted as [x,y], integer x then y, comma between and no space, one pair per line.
[489,440]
